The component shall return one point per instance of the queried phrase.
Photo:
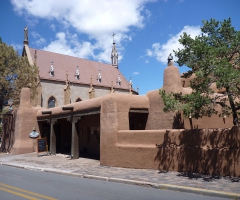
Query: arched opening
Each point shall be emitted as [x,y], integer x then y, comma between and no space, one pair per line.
[51,102]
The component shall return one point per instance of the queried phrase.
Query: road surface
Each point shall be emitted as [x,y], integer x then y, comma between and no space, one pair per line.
[16,183]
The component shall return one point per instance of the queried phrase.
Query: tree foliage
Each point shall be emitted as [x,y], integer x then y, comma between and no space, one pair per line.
[15,73]
[213,57]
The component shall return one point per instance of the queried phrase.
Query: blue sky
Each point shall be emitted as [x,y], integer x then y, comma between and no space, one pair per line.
[146,30]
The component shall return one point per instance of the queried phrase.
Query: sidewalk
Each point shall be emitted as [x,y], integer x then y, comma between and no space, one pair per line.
[228,187]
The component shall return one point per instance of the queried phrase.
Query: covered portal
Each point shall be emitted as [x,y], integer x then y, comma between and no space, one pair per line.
[73,133]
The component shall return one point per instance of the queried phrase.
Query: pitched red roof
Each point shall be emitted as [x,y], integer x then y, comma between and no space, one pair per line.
[68,64]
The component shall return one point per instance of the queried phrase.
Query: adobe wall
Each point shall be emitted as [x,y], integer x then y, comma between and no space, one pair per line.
[215,152]
[158,119]
[114,117]
[202,151]
[25,121]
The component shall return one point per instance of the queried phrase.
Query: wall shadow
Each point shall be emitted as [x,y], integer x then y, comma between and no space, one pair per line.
[206,151]
[178,121]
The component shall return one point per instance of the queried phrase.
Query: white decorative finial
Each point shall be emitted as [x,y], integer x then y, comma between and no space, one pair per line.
[130,81]
[99,78]
[77,73]
[51,72]
[130,85]
[119,80]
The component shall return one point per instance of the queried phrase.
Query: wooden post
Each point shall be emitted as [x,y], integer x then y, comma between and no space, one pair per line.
[52,137]
[75,138]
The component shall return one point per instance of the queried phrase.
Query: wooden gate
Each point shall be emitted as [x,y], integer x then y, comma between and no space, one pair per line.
[8,131]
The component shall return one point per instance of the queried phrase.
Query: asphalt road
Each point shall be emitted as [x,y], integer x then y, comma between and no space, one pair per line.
[18,184]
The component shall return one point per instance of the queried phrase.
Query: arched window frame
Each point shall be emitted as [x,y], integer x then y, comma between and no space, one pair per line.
[55,100]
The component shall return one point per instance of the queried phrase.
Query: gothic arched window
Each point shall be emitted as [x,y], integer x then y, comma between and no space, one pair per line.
[51,102]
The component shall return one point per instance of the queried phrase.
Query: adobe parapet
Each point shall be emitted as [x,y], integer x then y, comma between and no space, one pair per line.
[172,79]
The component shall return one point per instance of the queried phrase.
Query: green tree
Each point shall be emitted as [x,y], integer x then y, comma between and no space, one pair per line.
[15,73]
[213,57]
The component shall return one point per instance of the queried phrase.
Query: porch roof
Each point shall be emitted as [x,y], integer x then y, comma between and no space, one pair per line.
[133,103]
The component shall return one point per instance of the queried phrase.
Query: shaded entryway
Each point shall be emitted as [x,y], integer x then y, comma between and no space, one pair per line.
[86,142]
[63,141]
[63,132]
[89,136]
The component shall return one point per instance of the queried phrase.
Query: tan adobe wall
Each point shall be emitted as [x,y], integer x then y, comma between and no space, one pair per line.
[114,116]
[202,151]
[157,119]
[25,121]
[137,149]
[160,120]
[171,79]
[186,83]
[193,150]
[207,122]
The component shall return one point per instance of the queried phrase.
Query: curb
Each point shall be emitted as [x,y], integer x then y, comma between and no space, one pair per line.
[214,193]
[200,191]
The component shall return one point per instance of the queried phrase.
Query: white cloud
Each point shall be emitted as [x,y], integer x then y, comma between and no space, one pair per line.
[17,47]
[68,44]
[53,27]
[136,73]
[39,40]
[149,52]
[96,19]
[161,52]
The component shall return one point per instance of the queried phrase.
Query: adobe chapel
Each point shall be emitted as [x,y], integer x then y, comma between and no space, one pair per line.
[88,109]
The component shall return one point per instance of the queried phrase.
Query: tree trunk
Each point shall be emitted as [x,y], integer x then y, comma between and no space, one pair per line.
[234,111]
